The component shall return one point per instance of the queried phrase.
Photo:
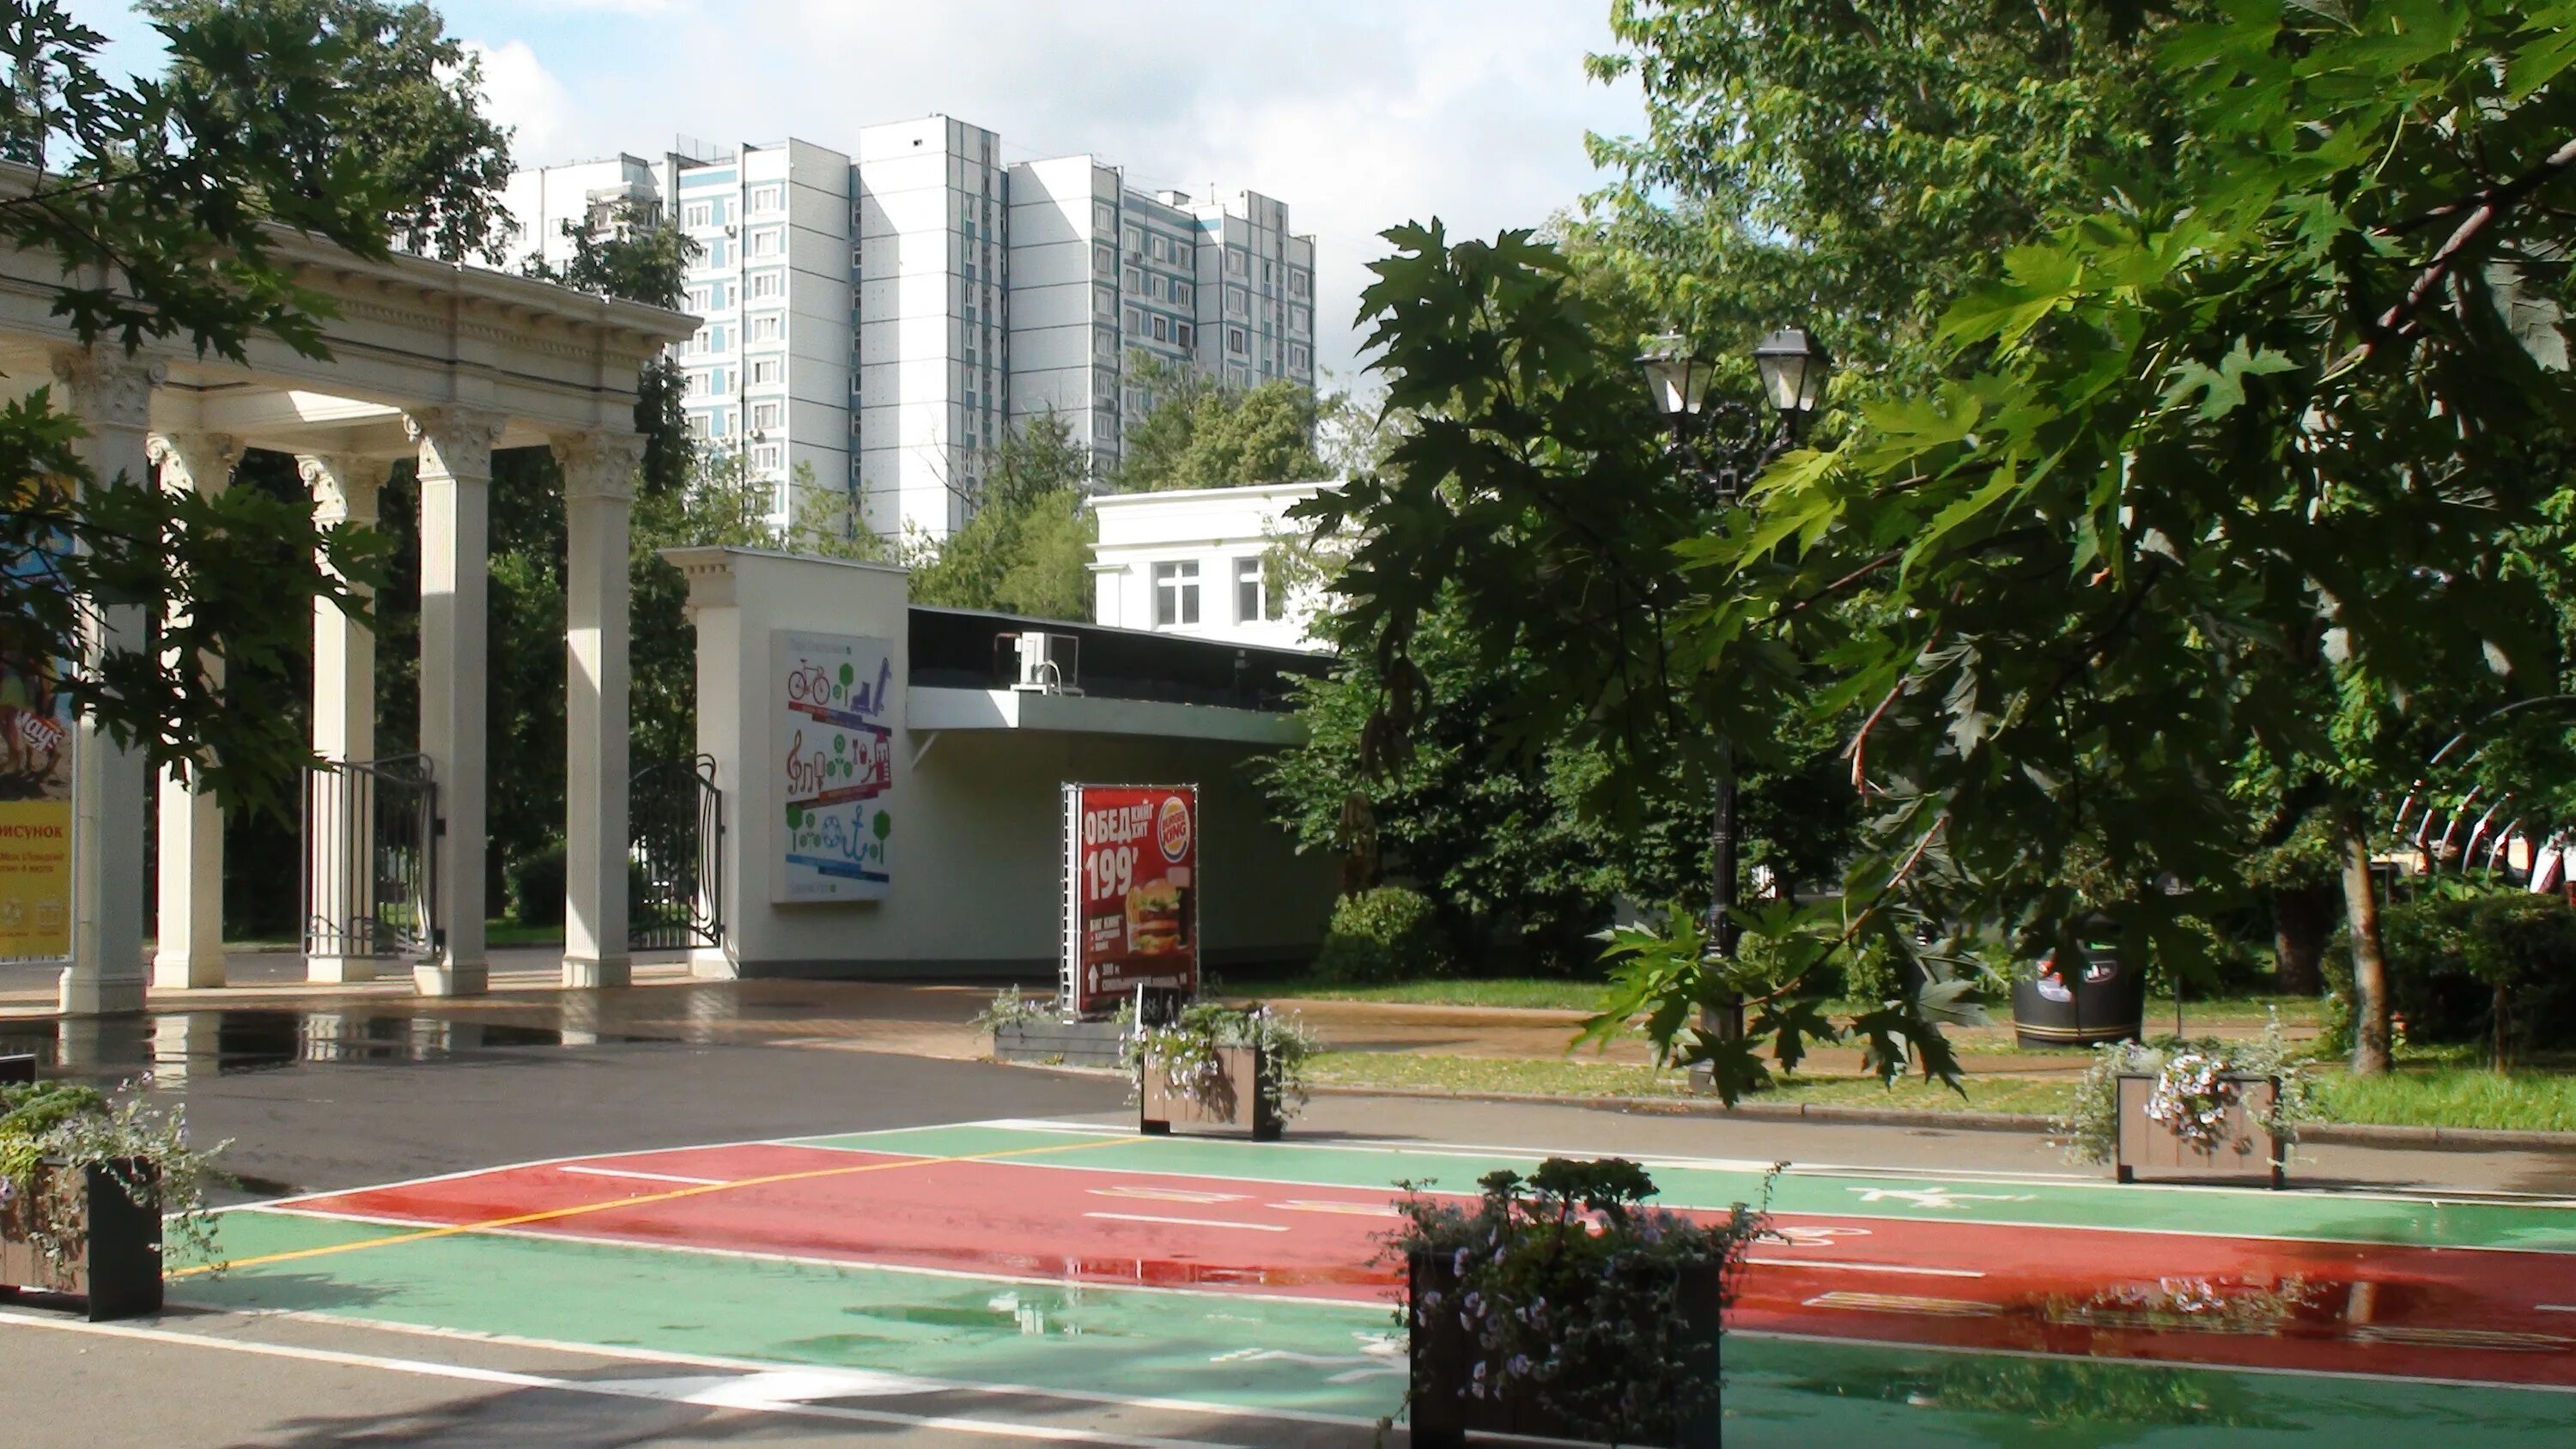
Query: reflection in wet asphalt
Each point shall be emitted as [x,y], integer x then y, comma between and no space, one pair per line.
[174,1045]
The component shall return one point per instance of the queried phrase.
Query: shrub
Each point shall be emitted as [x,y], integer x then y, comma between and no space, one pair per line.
[2450,959]
[1381,935]
[537,887]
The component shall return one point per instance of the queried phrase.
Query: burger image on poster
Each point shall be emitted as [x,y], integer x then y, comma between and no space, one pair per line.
[1158,910]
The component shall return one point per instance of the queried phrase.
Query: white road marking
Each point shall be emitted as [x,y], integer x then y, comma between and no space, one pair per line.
[729,1391]
[1350,1209]
[1869,1267]
[1189,1222]
[1165,1194]
[1937,1196]
[646,1176]
[2555,1307]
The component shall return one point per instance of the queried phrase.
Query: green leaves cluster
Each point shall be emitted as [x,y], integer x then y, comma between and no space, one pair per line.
[1027,550]
[1197,433]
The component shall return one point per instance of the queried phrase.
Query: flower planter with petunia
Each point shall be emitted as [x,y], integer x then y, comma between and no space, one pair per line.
[92,1191]
[1221,1069]
[1563,1307]
[2205,1110]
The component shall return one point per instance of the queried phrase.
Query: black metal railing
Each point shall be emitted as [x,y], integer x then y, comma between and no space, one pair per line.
[370,883]
[675,860]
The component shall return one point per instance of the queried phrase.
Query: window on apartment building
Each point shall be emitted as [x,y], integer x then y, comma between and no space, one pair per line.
[1234,339]
[1301,319]
[1135,239]
[702,384]
[769,241]
[1134,401]
[769,284]
[1134,279]
[765,417]
[1104,261]
[1235,305]
[1236,377]
[1104,343]
[1299,359]
[1182,292]
[1135,321]
[1265,274]
[698,426]
[1104,423]
[1176,593]
[696,214]
[1297,282]
[719,253]
[772,197]
[1253,596]
[768,327]
[700,301]
[1162,330]
[1104,303]
[1183,334]
[767,457]
[1104,217]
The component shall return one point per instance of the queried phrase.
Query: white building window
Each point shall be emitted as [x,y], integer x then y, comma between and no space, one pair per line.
[764,370]
[1134,279]
[1104,217]
[1301,320]
[1104,343]
[1234,339]
[766,416]
[1233,262]
[1104,261]
[769,241]
[1297,283]
[1253,596]
[1182,292]
[696,214]
[1135,239]
[1182,334]
[1162,330]
[769,284]
[769,198]
[700,301]
[1135,320]
[767,327]
[698,426]
[1104,303]
[767,457]
[1297,359]
[1176,593]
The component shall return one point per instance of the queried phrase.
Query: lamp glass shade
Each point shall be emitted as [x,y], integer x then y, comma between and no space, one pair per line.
[1794,369]
[1678,379]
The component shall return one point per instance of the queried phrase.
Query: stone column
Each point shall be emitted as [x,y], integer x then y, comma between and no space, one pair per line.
[599,487]
[455,615]
[191,950]
[339,873]
[111,393]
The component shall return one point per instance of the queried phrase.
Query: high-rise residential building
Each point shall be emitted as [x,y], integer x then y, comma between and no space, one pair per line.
[880,319]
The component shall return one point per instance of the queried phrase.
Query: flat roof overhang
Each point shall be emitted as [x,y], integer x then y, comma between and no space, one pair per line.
[934,709]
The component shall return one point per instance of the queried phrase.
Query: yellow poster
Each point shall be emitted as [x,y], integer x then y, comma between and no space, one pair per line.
[35,816]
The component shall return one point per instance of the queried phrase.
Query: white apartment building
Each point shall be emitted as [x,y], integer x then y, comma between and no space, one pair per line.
[1206,563]
[885,316]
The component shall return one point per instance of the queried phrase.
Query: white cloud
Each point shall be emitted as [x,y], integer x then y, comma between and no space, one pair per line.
[519,92]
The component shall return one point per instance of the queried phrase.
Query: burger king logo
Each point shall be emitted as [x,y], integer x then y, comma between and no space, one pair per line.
[1172,828]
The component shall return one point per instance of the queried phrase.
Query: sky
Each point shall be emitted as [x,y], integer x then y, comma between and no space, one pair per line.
[1360,114]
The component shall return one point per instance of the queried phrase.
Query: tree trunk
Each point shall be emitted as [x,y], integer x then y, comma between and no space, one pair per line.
[2302,919]
[2369,962]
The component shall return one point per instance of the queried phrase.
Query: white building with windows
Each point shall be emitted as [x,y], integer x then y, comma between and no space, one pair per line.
[1207,563]
[884,316]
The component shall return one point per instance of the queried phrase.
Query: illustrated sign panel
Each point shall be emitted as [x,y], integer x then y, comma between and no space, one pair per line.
[1131,892]
[36,742]
[830,710]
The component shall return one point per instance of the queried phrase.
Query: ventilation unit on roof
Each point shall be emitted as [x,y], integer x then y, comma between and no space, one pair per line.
[1040,663]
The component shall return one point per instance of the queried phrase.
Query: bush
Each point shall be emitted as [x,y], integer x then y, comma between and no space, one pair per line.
[2448,957]
[1381,935]
[537,887]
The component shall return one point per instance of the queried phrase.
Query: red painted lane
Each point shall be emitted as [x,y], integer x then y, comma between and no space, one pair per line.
[2366,1308]
[2336,1307]
[1000,1218]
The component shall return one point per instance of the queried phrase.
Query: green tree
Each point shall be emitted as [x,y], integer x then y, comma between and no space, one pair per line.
[1027,550]
[177,192]
[409,99]
[1199,434]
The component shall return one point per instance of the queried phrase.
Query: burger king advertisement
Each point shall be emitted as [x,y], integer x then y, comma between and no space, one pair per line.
[1131,892]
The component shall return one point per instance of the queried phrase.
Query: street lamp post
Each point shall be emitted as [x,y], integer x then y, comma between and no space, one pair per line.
[1720,448]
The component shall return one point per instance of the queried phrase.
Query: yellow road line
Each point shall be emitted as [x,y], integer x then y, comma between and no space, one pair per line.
[578,1209]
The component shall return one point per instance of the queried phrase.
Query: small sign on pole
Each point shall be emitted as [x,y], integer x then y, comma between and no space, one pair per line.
[1131,893]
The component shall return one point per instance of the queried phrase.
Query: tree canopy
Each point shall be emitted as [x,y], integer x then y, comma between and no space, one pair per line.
[1027,550]
[1201,434]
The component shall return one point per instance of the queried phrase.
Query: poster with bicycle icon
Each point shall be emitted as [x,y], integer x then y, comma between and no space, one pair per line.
[832,710]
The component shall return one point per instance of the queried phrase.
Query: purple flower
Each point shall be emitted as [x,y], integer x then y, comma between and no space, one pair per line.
[1459,1263]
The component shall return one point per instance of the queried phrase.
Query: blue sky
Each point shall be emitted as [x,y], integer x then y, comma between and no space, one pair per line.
[1358,113]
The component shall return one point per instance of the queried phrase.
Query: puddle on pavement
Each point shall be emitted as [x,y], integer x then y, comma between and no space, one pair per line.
[176,1045]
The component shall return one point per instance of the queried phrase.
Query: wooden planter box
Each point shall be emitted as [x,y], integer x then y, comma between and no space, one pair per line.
[1443,1411]
[114,1262]
[2245,1148]
[1235,1101]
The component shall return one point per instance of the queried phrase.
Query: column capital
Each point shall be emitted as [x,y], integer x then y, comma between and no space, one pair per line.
[455,442]
[110,387]
[195,462]
[599,464]
[343,485]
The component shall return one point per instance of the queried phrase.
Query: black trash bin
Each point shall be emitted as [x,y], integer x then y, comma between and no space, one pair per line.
[2105,1001]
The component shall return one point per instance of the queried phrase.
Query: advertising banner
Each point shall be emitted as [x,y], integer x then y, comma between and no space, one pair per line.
[1131,892]
[36,743]
[831,711]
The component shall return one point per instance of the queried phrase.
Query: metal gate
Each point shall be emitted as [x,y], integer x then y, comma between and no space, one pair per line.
[675,871]
[370,858]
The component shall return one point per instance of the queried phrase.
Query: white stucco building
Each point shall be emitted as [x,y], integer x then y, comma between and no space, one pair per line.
[1207,563]
[884,315]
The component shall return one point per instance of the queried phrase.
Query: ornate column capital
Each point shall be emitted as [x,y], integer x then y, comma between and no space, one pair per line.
[195,462]
[455,442]
[343,485]
[110,387]
[599,464]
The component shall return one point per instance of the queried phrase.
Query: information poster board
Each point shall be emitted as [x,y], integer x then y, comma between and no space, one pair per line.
[1131,892]
[36,739]
[831,704]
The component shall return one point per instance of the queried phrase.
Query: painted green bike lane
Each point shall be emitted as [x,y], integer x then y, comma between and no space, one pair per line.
[1224,1349]
[1926,1197]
